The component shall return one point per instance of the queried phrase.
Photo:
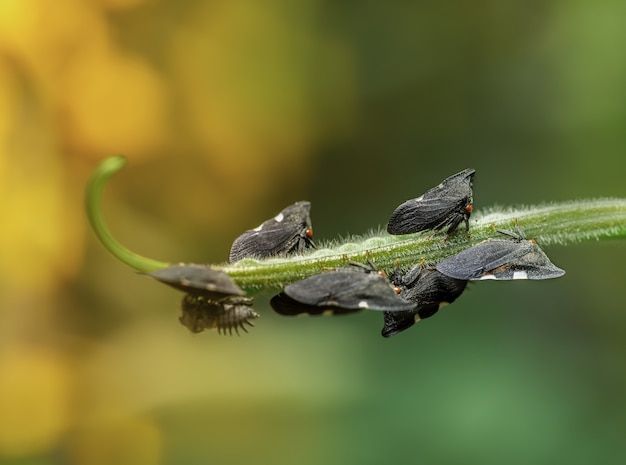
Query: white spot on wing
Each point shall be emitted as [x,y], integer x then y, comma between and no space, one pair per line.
[363,304]
[279,217]
[487,276]
[520,275]
[258,228]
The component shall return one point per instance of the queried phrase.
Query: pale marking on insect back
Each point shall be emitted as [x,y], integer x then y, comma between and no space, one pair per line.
[520,275]
[280,217]
[487,276]
[363,304]
[258,228]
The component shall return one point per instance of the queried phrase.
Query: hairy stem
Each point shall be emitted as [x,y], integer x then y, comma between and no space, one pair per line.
[557,223]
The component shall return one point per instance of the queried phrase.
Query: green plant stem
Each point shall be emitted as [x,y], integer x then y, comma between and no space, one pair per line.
[93,199]
[558,223]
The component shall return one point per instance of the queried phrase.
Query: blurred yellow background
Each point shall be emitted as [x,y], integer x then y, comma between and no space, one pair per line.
[230,110]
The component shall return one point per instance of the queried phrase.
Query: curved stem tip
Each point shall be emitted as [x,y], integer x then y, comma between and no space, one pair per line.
[93,196]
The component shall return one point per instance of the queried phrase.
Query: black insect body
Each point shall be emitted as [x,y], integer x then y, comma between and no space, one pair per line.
[444,206]
[200,313]
[285,305]
[198,280]
[428,289]
[287,233]
[212,299]
[338,292]
[501,259]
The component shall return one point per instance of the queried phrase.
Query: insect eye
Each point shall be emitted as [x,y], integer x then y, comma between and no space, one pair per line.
[397,290]
[309,233]
[469,208]
[382,273]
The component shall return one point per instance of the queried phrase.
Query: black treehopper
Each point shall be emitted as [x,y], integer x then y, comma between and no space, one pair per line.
[287,233]
[428,289]
[501,259]
[443,206]
[198,280]
[200,313]
[340,291]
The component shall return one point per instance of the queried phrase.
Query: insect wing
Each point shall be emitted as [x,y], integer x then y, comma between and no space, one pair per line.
[529,262]
[446,205]
[424,214]
[198,280]
[477,261]
[274,239]
[536,265]
[285,305]
[350,290]
[500,259]
[288,232]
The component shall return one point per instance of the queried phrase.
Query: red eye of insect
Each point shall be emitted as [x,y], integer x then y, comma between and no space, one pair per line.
[309,233]
[469,208]
[397,290]
[382,273]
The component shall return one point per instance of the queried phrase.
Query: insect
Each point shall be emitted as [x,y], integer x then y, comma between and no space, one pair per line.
[285,305]
[199,280]
[443,206]
[200,313]
[339,292]
[428,289]
[501,259]
[287,233]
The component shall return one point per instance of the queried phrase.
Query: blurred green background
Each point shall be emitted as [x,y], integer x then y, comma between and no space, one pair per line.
[228,112]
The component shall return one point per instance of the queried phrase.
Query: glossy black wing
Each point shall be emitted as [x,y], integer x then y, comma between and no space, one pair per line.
[350,290]
[198,280]
[478,260]
[446,205]
[285,305]
[535,265]
[288,232]
[272,240]
[421,214]
[500,259]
